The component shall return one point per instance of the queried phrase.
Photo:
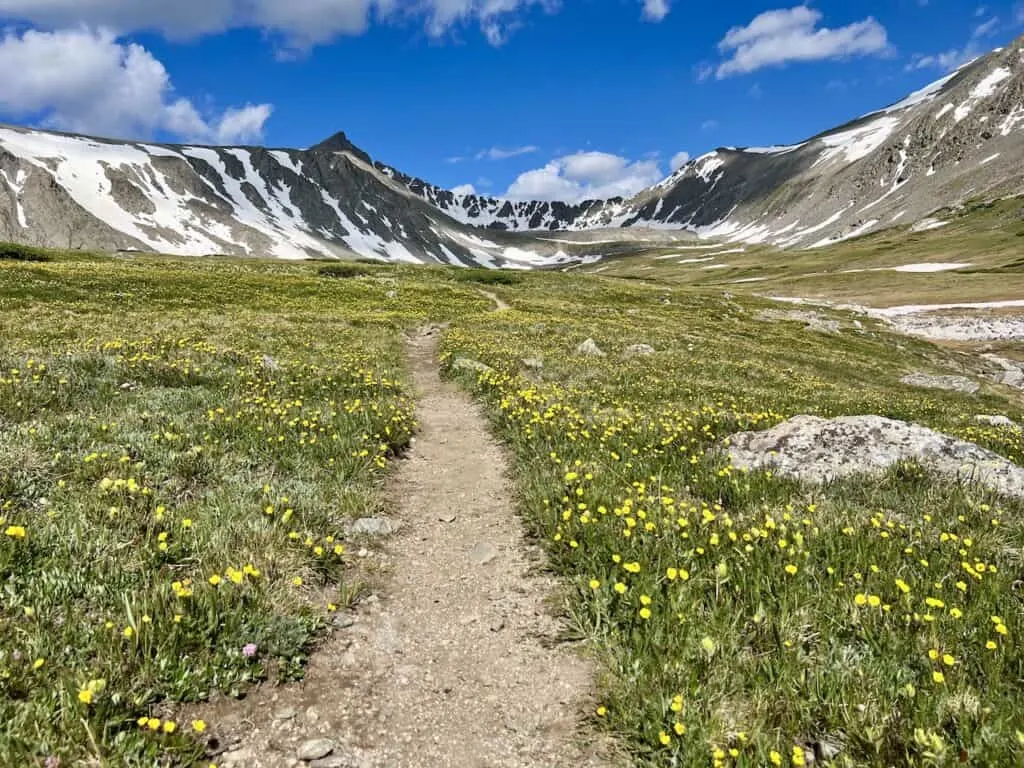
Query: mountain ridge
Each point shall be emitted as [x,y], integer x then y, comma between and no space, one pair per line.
[895,165]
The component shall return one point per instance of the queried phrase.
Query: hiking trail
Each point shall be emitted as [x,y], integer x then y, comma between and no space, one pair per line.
[455,664]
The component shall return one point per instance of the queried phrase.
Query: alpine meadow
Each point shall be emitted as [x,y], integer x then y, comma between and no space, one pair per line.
[305,461]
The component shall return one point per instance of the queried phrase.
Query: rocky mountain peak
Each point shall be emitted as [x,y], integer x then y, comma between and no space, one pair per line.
[339,142]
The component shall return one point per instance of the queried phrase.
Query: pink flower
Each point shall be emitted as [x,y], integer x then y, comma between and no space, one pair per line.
[249,650]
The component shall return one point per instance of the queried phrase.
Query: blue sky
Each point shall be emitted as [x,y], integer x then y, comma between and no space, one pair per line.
[528,97]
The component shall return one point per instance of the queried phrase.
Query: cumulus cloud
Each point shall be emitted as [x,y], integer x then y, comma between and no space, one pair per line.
[464,189]
[655,10]
[297,24]
[89,82]
[583,176]
[777,37]
[679,159]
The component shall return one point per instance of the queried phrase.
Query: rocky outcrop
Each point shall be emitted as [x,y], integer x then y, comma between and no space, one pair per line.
[950,383]
[818,450]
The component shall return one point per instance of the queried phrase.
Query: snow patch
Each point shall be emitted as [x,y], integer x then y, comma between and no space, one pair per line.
[913,309]
[857,232]
[928,266]
[926,224]
[856,143]
[1012,121]
[987,87]
[17,187]
[780,149]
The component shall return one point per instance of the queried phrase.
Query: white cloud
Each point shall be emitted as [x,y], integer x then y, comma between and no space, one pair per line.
[89,82]
[679,159]
[464,189]
[949,60]
[242,124]
[583,176]
[946,60]
[774,38]
[986,28]
[655,10]
[496,153]
[1018,13]
[298,24]
[709,125]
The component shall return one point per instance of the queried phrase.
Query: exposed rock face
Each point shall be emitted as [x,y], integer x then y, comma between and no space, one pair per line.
[951,383]
[68,191]
[1010,373]
[961,137]
[817,450]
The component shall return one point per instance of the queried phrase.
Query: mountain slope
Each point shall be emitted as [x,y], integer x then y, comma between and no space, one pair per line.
[958,137]
[962,136]
[73,191]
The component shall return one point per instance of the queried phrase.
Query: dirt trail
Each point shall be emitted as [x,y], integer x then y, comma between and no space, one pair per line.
[454,665]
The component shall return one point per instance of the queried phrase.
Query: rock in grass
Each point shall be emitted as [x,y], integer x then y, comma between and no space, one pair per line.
[533,363]
[374,526]
[817,450]
[995,421]
[1011,374]
[589,347]
[466,364]
[638,350]
[952,383]
[314,749]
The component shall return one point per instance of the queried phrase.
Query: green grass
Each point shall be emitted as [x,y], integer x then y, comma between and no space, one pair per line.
[754,615]
[181,444]
[984,234]
[742,612]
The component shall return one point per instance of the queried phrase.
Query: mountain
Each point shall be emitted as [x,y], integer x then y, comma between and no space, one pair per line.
[72,191]
[959,137]
[962,136]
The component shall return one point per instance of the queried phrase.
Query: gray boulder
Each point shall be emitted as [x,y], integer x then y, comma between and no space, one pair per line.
[638,350]
[995,421]
[1010,374]
[816,450]
[466,364]
[951,383]
[314,749]
[589,347]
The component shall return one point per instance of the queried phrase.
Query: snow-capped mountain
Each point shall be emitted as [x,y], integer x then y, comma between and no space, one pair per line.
[328,201]
[960,137]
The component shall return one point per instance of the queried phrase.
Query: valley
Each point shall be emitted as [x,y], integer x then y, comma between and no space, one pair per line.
[215,465]
[959,139]
[308,462]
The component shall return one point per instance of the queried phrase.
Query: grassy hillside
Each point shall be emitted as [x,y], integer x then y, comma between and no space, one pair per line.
[987,235]
[183,441]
